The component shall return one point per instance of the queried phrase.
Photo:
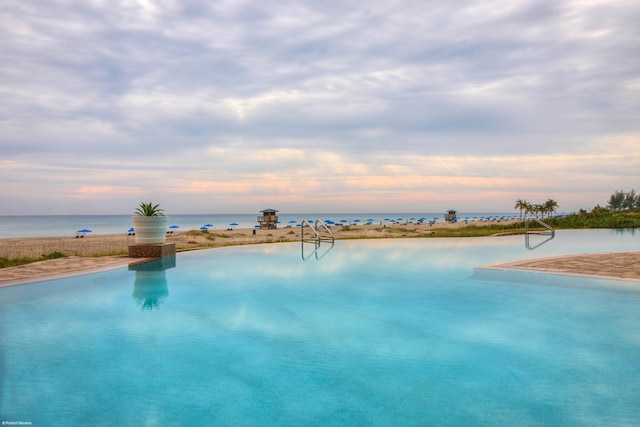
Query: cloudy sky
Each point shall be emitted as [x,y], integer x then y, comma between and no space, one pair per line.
[233,106]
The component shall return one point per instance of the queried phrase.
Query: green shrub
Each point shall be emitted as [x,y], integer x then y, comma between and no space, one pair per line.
[15,262]
[54,255]
[598,218]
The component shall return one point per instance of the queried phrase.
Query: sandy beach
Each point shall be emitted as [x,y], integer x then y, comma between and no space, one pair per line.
[101,252]
[117,244]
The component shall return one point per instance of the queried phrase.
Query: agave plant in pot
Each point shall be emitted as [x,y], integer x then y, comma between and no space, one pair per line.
[150,224]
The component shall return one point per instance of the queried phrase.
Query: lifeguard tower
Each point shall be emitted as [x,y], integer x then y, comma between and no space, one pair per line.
[450,216]
[269,219]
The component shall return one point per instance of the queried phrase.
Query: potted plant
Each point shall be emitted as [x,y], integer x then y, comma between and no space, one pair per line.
[150,224]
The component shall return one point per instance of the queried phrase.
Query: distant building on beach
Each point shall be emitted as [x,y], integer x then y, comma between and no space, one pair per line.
[269,219]
[450,216]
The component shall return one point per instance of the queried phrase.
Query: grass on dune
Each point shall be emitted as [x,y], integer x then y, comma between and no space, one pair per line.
[15,262]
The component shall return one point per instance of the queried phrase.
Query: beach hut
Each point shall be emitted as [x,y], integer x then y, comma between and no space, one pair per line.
[450,216]
[269,219]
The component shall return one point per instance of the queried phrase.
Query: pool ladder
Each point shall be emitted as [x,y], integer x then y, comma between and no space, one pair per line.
[550,231]
[320,233]
[317,229]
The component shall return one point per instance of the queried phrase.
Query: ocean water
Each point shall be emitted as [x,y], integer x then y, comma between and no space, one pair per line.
[68,225]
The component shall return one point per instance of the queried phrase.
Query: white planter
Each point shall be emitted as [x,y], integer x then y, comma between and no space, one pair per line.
[150,229]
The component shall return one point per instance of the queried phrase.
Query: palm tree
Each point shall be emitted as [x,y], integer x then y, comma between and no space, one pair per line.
[538,209]
[521,205]
[528,208]
[551,206]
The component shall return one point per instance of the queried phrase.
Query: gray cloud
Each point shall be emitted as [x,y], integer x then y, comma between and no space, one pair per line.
[100,84]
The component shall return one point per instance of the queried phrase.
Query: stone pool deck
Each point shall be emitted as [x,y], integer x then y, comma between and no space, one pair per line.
[63,267]
[612,265]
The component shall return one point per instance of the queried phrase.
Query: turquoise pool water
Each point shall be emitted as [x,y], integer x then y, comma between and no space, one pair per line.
[376,332]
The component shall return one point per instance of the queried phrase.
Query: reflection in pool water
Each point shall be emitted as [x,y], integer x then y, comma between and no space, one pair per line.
[534,241]
[315,250]
[150,286]
[381,332]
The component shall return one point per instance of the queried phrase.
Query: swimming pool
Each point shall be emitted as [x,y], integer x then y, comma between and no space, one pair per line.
[376,332]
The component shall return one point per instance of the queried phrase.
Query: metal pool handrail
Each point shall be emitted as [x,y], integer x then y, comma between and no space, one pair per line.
[550,229]
[315,228]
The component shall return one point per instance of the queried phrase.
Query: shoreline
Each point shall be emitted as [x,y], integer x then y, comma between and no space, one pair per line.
[117,244]
[92,254]
[68,225]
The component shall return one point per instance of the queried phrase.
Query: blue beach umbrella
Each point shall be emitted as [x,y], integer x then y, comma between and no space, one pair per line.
[208,225]
[174,226]
[83,231]
[131,231]
[233,224]
[203,228]
[293,221]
